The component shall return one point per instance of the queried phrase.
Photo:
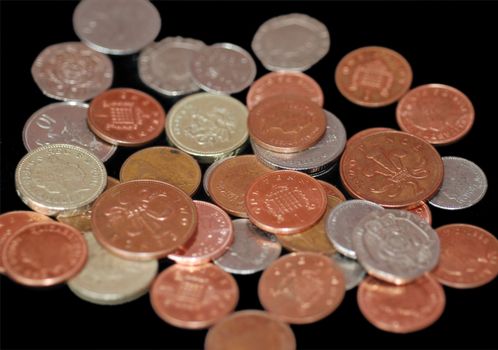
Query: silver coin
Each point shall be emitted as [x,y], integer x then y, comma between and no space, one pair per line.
[207,173]
[291,42]
[109,280]
[354,273]
[464,184]
[116,27]
[223,68]
[165,66]
[72,72]
[64,122]
[396,246]
[252,250]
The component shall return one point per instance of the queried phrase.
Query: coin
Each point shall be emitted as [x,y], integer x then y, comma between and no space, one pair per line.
[164,164]
[464,184]
[301,287]
[165,65]
[72,71]
[207,126]
[391,168]
[252,250]
[286,123]
[229,181]
[401,309]
[365,132]
[284,83]
[449,118]
[209,171]
[116,27]
[248,330]
[285,202]
[44,254]
[64,122]
[353,272]
[469,256]
[109,280]
[331,190]
[60,179]
[395,245]
[423,211]
[126,117]
[291,42]
[373,76]
[194,297]
[143,219]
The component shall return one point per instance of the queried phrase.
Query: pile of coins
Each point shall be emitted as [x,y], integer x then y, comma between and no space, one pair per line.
[109,234]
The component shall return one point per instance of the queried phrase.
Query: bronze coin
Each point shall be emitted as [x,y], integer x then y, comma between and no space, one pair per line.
[331,190]
[423,210]
[365,132]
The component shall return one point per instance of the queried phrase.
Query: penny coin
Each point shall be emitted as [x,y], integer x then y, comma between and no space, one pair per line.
[331,190]
[44,254]
[229,181]
[464,184]
[116,27]
[401,309]
[284,83]
[373,76]
[285,202]
[291,42]
[143,219]
[164,164]
[365,132]
[469,256]
[396,246]
[252,250]
[353,272]
[423,211]
[60,179]
[437,113]
[209,171]
[126,117]
[72,71]
[301,287]
[286,123]
[194,297]
[392,168]
[248,330]
[64,122]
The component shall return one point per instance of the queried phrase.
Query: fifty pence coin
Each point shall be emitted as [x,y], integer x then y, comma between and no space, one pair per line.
[353,272]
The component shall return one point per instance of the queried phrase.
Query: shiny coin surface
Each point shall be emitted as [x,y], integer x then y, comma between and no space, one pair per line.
[373,76]
[72,71]
[331,190]
[116,27]
[60,179]
[423,211]
[291,42]
[365,132]
[464,184]
[395,245]
[194,297]
[353,272]
[165,65]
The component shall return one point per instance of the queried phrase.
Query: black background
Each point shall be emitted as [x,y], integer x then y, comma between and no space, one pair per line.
[444,42]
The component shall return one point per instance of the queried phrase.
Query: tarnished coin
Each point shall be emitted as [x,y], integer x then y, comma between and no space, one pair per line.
[116,27]
[365,132]
[64,122]
[464,184]
[331,190]
[109,280]
[291,42]
[60,179]
[72,71]
[209,171]
[423,211]
[353,272]
[395,245]
[222,68]
[252,250]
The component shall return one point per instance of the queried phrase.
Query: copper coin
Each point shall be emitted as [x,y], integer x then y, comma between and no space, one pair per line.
[365,132]
[13,221]
[213,236]
[331,190]
[229,181]
[437,113]
[469,256]
[166,164]
[301,288]
[284,83]
[285,202]
[249,330]
[126,117]
[194,296]
[423,210]
[392,168]
[143,219]
[286,123]
[373,76]
[401,309]
[44,254]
